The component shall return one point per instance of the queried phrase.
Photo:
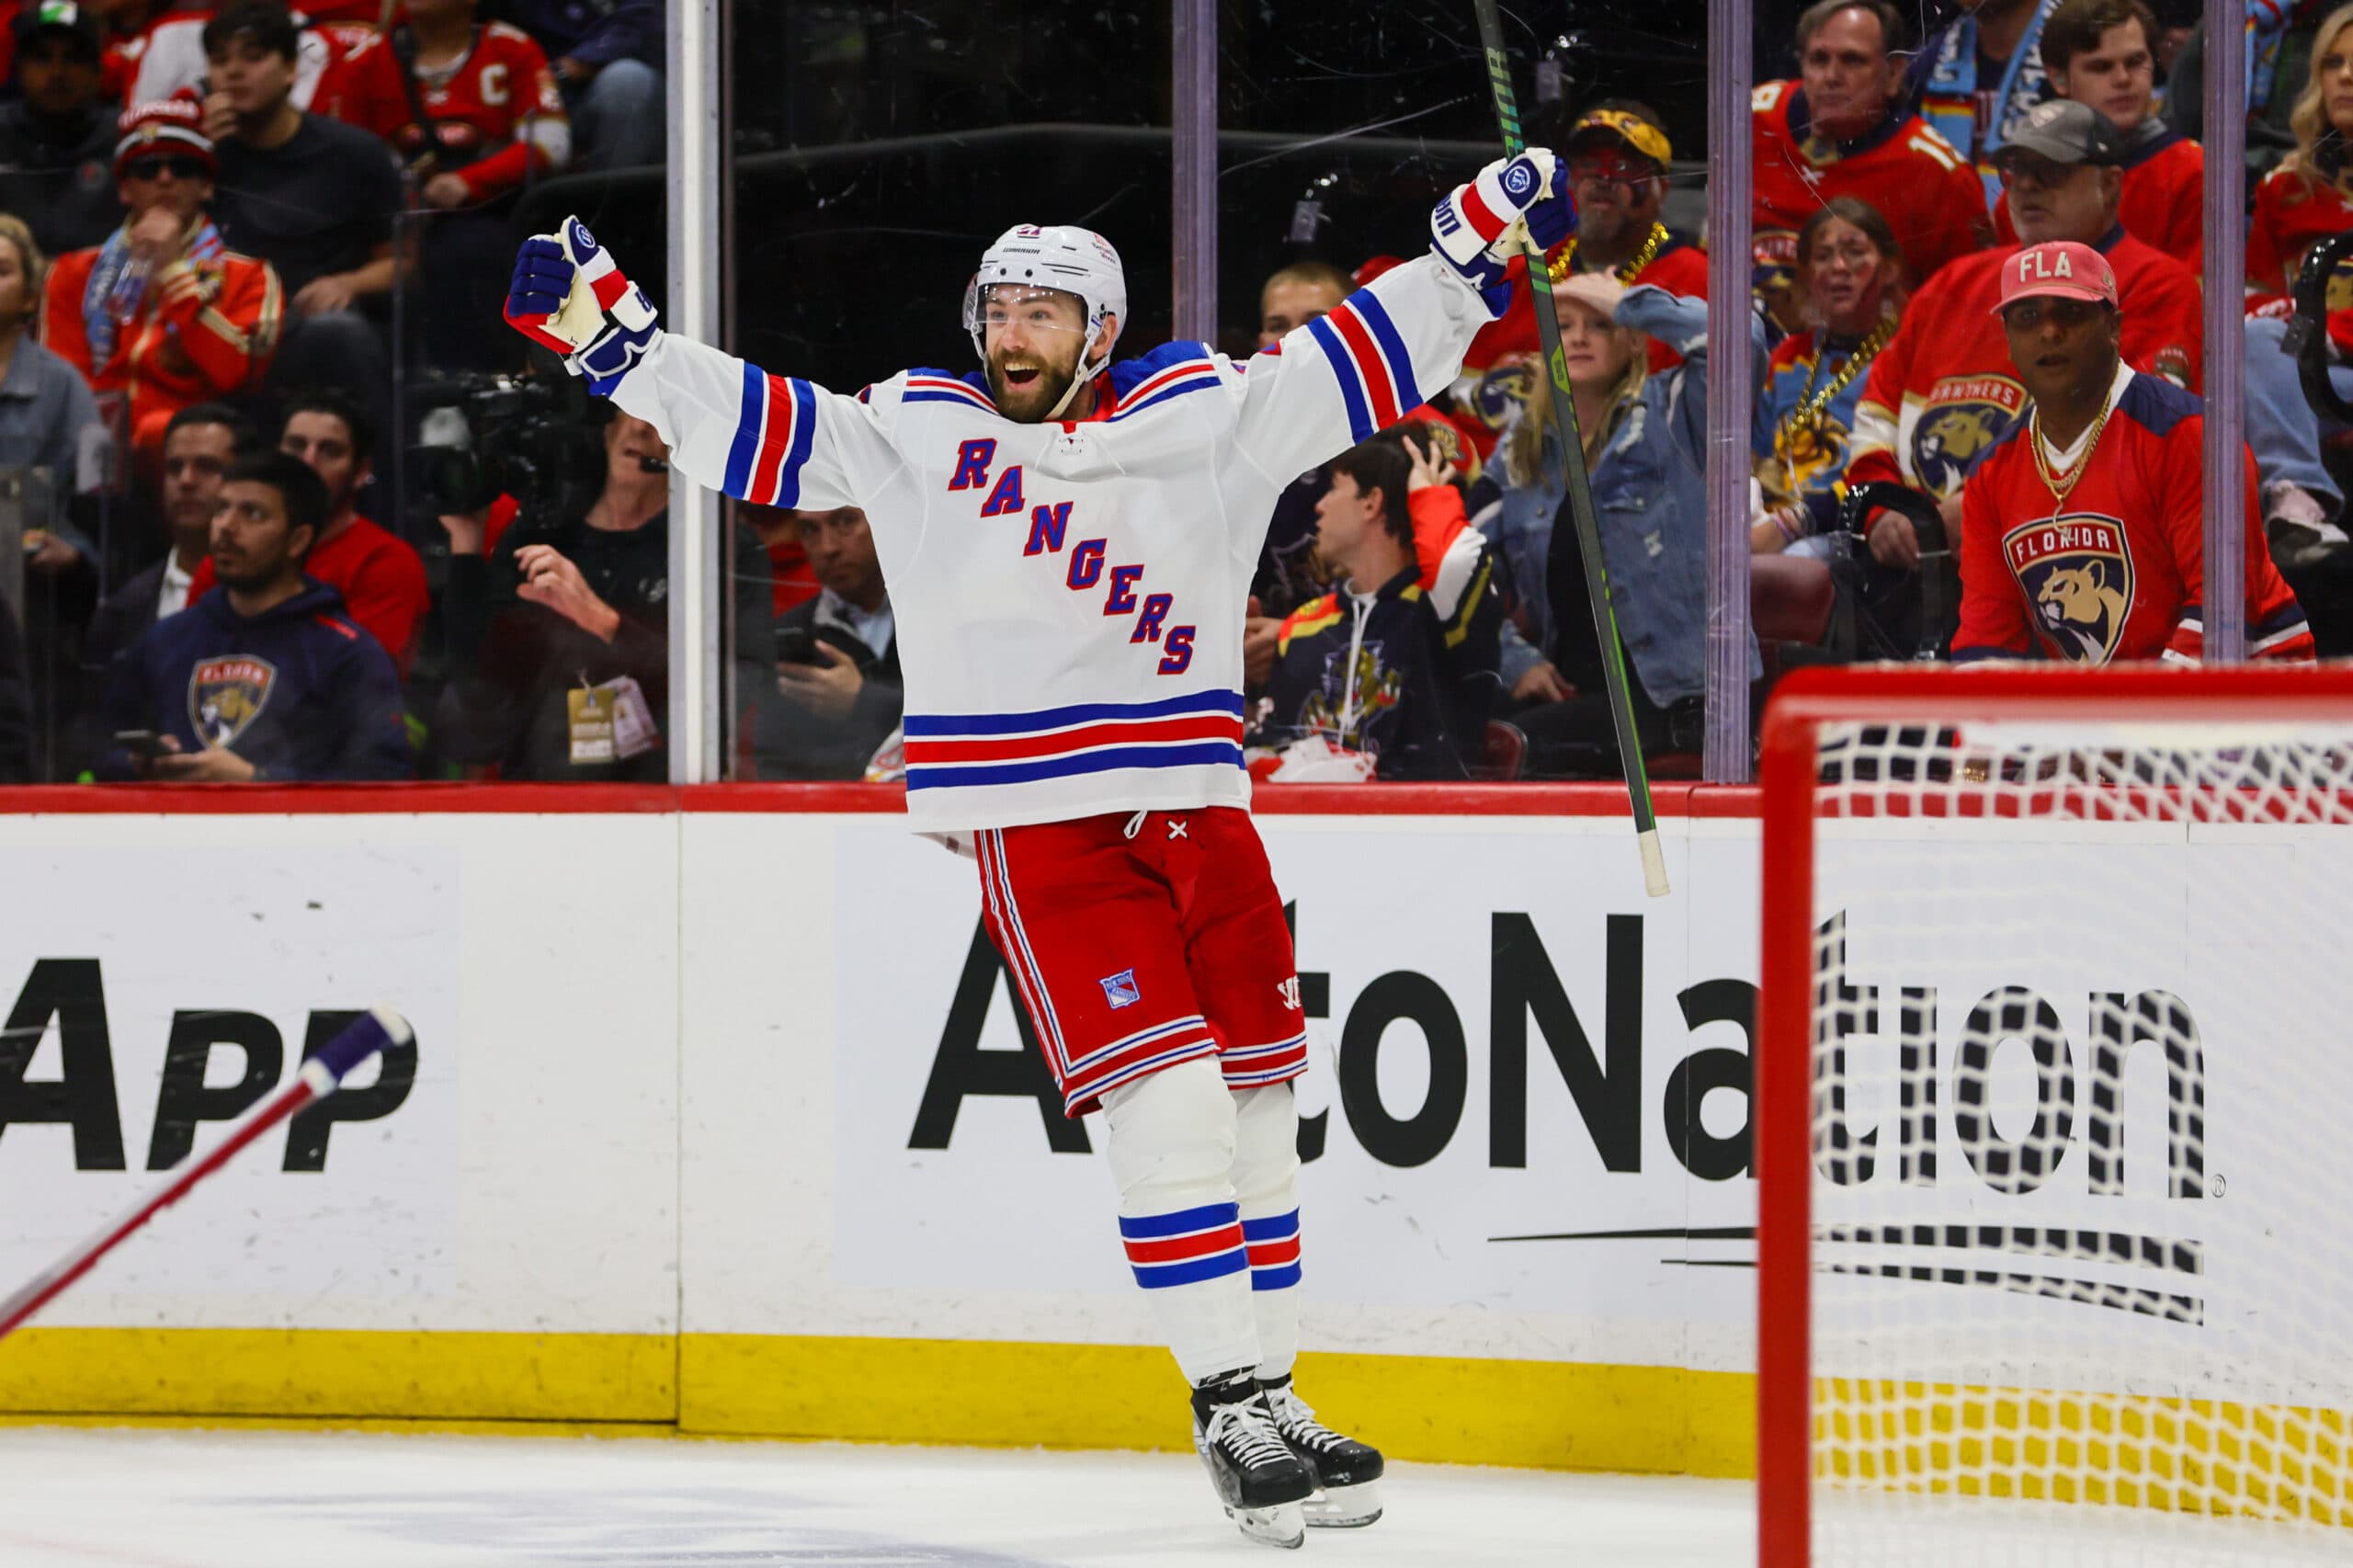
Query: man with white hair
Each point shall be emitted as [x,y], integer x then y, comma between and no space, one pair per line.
[1068,544]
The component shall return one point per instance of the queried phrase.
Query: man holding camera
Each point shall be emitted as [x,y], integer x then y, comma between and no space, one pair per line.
[837,655]
[560,632]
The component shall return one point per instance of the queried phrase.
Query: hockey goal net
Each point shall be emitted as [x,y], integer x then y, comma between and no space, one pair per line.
[2054,1118]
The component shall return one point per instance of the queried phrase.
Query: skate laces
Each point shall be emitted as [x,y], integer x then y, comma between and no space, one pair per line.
[1247,1430]
[1295,1419]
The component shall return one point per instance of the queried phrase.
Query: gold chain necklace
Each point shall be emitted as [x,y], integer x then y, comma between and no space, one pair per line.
[2059,492]
[1807,417]
[1558,268]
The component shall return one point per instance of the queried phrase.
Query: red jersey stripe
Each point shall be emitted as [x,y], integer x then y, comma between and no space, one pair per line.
[775,439]
[1382,395]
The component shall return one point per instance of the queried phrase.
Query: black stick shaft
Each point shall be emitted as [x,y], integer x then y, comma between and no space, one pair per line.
[1580,483]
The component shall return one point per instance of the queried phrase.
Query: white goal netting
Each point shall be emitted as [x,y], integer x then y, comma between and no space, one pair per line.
[2082,1118]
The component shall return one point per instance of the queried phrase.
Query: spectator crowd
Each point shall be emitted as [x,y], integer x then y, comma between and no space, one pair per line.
[229,236]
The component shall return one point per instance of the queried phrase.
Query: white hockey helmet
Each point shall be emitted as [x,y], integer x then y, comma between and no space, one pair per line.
[1060,257]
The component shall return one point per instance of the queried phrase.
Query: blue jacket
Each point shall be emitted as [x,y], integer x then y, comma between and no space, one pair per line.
[1650,496]
[298,691]
[594,32]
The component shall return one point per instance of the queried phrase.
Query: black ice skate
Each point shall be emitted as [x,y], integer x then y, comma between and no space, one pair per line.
[1259,1479]
[1346,1471]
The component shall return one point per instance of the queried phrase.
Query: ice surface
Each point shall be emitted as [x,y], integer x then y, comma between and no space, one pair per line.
[111,1498]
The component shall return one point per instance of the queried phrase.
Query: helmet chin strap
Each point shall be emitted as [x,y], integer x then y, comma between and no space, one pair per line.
[1085,372]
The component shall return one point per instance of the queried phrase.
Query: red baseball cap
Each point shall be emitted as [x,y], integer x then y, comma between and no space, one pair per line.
[165,125]
[2061,268]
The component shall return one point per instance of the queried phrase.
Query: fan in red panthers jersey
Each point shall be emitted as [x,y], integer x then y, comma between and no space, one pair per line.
[2083,532]
[1942,391]
[493,118]
[1840,130]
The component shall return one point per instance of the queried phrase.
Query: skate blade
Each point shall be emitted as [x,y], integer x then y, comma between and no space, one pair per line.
[1343,1508]
[1282,1526]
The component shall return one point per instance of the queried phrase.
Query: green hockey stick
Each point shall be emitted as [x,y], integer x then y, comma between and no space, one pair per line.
[1580,484]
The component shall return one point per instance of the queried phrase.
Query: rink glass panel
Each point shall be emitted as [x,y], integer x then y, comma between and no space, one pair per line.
[878,149]
[2078,1256]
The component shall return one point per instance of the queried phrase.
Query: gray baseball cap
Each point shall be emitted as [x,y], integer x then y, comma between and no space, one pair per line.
[2066,133]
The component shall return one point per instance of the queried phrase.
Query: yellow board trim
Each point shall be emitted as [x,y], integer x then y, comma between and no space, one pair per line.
[333,1372]
[1447,1409]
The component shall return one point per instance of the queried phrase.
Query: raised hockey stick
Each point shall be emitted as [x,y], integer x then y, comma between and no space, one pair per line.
[1580,483]
[319,1077]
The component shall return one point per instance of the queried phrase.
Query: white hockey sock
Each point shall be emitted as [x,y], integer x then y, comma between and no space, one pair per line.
[1171,1146]
[1266,1185]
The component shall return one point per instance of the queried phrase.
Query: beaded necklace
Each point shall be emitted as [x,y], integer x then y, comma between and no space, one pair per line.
[1806,419]
[1558,268]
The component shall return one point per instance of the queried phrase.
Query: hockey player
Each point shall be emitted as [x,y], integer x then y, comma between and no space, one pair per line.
[2082,530]
[1068,543]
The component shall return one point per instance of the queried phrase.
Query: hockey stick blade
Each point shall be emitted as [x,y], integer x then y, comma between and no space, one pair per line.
[318,1077]
[1579,483]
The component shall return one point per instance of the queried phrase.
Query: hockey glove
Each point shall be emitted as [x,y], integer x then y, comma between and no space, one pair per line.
[1482,225]
[568,296]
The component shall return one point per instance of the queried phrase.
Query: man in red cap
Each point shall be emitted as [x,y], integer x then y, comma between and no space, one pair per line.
[2082,530]
[163,313]
[1942,390]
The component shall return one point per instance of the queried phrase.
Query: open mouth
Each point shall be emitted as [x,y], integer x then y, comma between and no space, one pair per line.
[2052,362]
[1021,377]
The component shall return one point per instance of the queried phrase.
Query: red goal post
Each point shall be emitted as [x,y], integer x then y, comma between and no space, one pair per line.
[2131,721]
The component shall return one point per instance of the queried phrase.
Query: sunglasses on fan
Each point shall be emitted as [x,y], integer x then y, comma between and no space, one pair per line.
[179,168]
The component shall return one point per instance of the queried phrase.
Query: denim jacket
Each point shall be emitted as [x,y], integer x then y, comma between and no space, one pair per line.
[1650,499]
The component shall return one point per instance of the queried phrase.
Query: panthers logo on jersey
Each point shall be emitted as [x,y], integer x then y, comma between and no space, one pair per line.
[1964,416]
[226,695]
[1370,690]
[2076,574]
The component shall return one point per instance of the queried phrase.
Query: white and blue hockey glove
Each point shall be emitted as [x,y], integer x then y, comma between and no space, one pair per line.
[1480,226]
[567,295]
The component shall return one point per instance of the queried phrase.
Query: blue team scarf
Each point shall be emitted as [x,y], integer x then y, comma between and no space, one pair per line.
[115,295]
[1950,99]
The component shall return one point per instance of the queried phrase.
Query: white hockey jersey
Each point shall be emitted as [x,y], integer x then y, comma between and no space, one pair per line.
[1069,595]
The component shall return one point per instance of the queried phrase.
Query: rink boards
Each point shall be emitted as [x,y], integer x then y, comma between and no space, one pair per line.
[718,1120]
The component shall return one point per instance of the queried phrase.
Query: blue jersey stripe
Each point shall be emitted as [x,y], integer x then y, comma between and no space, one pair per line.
[1200,383]
[1203,753]
[1344,367]
[747,431]
[1392,346]
[948,397]
[1183,1223]
[1161,1275]
[804,432]
[1282,1279]
[937,726]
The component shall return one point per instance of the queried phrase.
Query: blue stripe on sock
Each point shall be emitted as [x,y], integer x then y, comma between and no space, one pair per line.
[1274,1228]
[1282,1279]
[1208,1216]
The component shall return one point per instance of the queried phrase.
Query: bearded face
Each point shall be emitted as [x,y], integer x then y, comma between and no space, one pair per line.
[1031,340]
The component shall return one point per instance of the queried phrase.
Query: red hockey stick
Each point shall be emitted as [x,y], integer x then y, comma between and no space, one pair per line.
[318,1078]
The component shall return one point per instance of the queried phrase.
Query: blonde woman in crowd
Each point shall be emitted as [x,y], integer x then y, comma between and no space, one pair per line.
[2310,194]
